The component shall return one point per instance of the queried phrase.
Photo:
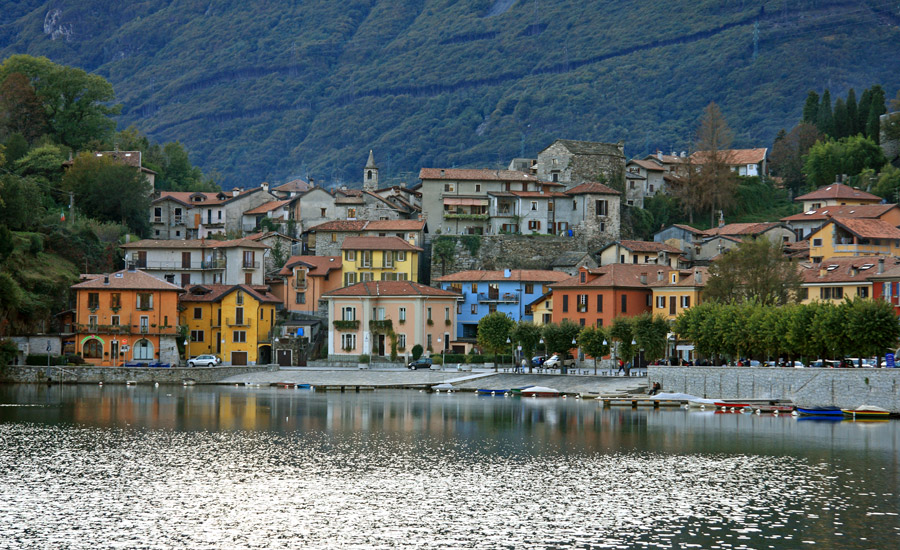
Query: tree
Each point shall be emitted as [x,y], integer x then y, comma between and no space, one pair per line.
[754,270]
[841,121]
[862,112]
[811,108]
[786,160]
[20,203]
[279,255]
[443,249]
[76,103]
[45,163]
[871,327]
[622,331]
[6,242]
[110,191]
[558,338]
[494,330]
[21,111]
[594,342]
[852,114]
[876,109]
[527,335]
[715,180]
[887,184]
[417,351]
[11,298]
[16,147]
[825,121]
[651,333]
[850,156]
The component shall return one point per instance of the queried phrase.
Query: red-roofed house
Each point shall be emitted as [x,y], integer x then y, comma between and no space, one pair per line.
[379,259]
[805,223]
[640,252]
[363,317]
[853,237]
[836,194]
[307,278]
[746,162]
[653,172]
[194,215]
[326,239]
[199,261]
[278,211]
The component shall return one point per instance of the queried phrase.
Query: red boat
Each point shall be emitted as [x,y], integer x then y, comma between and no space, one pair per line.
[540,391]
[731,405]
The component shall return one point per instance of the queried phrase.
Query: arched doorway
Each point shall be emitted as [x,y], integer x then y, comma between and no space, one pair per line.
[143,350]
[264,355]
[92,349]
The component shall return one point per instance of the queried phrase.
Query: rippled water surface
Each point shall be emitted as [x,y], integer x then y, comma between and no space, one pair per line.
[221,467]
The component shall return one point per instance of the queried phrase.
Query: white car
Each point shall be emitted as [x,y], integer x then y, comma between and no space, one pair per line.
[554,362]
[204,361]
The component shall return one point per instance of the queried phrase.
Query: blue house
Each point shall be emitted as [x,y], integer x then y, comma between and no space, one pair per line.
[509,291]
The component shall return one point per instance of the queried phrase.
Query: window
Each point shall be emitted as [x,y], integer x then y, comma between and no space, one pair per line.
[239,336]
[367,258]
[446,313]
[198,313]
[492,308]
[550,205]
[555,176]
[581,321]
[599,322]
[601,207]
[367,276]
[630,202]
[387,258]
[378,313]
[349,279]
[145,324]
[474,288]
[428,313]
[816,205]
[249,259]
[474,309]
[114,320]
[565,303]
[624,303]
[582,303]
[631,185]
[92,321]
[351,213]
[144,300]
[402,313]
[115,300]
[428,342]
[157,214]
[574,204]
[534,205]
[599,303]
[92,349]
[529,288]
[862,292]
[333,235]
[448,188]
[685,302]
[348,313]
[817,242]
[583,276]
[534,225]
[196,336]
[458,308]
[836,293]
[401,341]
[322,214]
[351,255]
[300,298]
[401,256]
[240,298]
[660,302]
[348,341]
[93,300]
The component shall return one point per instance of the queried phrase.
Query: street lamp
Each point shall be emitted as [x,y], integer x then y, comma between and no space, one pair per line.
[442,352]
[633,346]
[577,354]
[186,354]
[595,359]
[543,345]
[512,355]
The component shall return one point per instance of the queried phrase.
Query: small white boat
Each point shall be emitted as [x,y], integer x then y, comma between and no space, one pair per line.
[540,391]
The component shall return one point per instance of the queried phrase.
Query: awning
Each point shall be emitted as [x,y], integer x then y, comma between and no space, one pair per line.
[453,201]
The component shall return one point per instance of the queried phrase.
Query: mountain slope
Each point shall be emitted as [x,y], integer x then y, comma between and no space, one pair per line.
[268,90]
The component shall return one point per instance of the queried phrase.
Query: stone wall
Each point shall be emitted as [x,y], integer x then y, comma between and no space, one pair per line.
[807,387]
[121,375]
[512,252]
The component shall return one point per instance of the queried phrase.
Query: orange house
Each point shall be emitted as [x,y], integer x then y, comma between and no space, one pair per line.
[306,278]
[126,317]
[597,296]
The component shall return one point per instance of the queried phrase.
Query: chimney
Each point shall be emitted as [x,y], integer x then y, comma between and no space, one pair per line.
[106,278]
[698,277]
[621,146]
[880,265]
[854,271]
[312,182]
[131,266]
[507,273]
[659,275]
[659,155]
[721,219]
[442,171]
[643,278]
[236,191]
[822,270]
[265,186]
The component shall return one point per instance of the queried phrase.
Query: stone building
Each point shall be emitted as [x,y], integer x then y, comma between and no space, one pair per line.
[574,162]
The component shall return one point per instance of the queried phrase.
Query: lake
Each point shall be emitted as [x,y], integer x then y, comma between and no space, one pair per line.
[237,467]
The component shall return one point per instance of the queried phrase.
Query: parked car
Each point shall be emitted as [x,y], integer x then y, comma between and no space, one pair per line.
[204,361]
[554,362]
[538,360]
[420,363]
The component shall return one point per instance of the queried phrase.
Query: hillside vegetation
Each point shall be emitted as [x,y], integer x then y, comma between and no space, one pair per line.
[268,90]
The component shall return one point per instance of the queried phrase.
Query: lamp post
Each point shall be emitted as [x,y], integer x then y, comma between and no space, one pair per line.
[577,353]
[186,354]
[442,352]
[595,359]
[543,345]
[633,345]
[509,343]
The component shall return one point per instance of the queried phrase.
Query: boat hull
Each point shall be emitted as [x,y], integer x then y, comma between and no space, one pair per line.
[819,412]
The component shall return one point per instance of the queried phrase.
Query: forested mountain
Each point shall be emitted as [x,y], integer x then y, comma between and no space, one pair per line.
[273,89]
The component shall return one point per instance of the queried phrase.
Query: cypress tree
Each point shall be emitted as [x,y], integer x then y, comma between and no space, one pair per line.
[876,109]
[852,114]
[862,112]
[811,108]
[826,118]
[841,123]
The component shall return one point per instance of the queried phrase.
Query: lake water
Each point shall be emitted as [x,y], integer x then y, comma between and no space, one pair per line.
[226,467]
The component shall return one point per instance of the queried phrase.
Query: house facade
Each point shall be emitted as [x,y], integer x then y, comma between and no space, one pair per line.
[307,278]
[743,162]
[574,162]
[234,322]
[510,291]
[640,252]
[326,239]
[126,317]
[195,215]
[202,261]
[678,291]
[364,317]
[682,237]
[805,223]
[379,259]
[837,278]
[843,237]
[836,194]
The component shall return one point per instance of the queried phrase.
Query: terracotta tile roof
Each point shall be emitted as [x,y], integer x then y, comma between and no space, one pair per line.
[838,191]
[891,269]
[377,243]
[474,174]
[295,186]
[266,234]
[570,258]
[592,189]
[391,288]
[521,275]
[353,199]
[194,243]
[686,278]
[127,280]
[267,207]
[370,225]
[529,194]
[214,293]
[648,165]
[741,229]
[633,176]
[687,228]
[845,211]
[735,157]
[617,275]
[319,266]
[843,270]
[589,147]
[868,228]
[349,192]
[645,246]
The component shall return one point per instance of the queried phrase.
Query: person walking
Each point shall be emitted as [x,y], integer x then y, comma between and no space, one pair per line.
[621,366]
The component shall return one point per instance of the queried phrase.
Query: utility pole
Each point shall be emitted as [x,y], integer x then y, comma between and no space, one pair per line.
[71,207]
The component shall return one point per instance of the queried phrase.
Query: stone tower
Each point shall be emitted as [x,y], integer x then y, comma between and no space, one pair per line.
[370,174]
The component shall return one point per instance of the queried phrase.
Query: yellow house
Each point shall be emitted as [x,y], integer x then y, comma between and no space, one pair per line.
[379,259]
[542,309]
[848,237]
[234,322]
[839,278]
[676,291]
[836,194]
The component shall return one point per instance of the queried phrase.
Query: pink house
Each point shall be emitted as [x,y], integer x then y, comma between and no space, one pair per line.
[364,317]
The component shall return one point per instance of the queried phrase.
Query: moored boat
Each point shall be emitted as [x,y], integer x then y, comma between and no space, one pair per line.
[819,411]
[774,408]
[730,405]
[540,391]
[491,392]
[866,412]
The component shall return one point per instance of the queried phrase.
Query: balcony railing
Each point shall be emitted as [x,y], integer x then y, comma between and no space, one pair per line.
[250,265]
[178,265]
[245,322]
[472,217]
[505,297]
[102,329]
[157,219]
[863,248]
[178,220]
[299,284]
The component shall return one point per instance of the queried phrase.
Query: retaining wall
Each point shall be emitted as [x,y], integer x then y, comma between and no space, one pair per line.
[807,387]
[120,375]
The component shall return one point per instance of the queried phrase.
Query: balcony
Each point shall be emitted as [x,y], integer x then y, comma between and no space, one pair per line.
[157,219]
[298,284]
[346,324]
[102,329]
[177,265]
[466,217]
[497,297]
[245,322]
[862,249]
[249,265]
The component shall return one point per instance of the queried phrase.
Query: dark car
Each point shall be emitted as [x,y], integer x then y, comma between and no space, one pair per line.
[420,363]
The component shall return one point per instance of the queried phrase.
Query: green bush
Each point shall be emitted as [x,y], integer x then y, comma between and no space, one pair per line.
[38,359]
[454,358]
[417,351]
[75,360]
[437,359]
[364,358]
